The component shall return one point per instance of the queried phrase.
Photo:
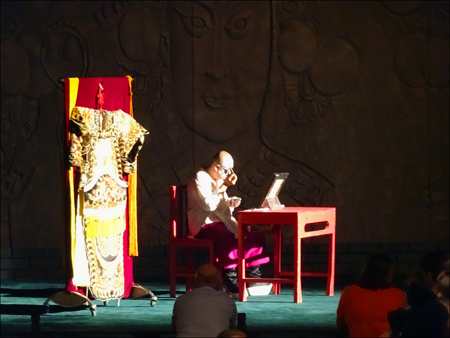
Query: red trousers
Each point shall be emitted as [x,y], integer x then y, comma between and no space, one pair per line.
[225,246]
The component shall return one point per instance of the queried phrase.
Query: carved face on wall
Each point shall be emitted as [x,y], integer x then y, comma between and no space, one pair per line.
[219,58]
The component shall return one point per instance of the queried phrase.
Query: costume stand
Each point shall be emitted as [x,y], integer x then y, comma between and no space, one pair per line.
[70,299]
[104,142]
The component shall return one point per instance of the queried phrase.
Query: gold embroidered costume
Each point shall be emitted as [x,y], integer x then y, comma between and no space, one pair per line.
[104,146]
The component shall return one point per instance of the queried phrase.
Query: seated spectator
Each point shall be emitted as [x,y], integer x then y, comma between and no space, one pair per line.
[206,310]
[433,263]
[363,307]
[427,315]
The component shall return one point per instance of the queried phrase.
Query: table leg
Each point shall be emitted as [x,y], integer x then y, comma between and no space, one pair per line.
[331,264]
[297,265]
[241,264]
[277,258]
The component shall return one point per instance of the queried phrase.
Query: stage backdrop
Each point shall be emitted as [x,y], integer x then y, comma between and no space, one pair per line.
[350,98]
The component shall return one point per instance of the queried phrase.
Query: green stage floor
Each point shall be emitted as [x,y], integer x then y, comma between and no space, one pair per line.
[266,316]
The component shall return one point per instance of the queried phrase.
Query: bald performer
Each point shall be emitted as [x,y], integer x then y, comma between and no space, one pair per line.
[208,201]
[206,310]
[210,216]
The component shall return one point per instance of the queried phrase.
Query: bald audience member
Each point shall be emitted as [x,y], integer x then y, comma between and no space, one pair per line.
[210,216]
[206,310]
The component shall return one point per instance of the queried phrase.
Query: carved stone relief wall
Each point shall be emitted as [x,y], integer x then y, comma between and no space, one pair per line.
[350,98]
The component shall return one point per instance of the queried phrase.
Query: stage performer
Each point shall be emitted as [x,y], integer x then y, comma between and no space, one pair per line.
[210,216]
[104,146]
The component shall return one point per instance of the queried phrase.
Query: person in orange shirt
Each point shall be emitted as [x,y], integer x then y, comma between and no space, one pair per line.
[363,307]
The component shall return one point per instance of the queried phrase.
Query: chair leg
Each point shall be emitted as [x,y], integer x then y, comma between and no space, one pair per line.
[212,256]
[189,266]
[172,270]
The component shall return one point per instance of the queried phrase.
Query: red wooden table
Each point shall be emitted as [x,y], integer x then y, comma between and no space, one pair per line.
[299,218]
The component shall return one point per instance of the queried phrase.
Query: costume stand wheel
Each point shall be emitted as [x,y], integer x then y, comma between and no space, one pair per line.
[139,291]
[93,309]
[70,299]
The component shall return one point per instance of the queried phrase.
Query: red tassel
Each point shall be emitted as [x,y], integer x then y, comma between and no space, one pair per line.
[100,97]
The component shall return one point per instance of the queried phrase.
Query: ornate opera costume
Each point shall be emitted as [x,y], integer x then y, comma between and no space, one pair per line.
[104,146]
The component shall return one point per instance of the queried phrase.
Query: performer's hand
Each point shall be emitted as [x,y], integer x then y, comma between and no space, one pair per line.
[230,180]
[235,201]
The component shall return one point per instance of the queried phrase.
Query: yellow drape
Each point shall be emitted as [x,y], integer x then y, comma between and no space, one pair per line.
[73,92]
[132,198]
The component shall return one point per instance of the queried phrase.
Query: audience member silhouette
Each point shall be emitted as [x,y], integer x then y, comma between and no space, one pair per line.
[206,310]
[363,307]
[433,263]
[426,315]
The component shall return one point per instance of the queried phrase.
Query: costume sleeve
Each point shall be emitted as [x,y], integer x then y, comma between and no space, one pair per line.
[76,150]
[79,124]
[131,139]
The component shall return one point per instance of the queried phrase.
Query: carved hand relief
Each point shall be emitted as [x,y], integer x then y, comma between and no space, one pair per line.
[219,61]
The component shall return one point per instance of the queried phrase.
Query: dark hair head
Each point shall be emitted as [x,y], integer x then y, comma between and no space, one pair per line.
[434,263]
[375,273]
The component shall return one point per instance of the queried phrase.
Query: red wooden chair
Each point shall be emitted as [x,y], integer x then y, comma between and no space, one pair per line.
[178,239]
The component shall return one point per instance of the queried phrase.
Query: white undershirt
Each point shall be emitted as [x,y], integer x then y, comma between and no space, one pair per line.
[206,204]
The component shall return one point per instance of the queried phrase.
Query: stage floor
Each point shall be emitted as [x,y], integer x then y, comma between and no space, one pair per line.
[266,316]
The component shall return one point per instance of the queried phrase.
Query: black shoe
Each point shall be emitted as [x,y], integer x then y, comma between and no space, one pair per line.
[230,279]
[253,272]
